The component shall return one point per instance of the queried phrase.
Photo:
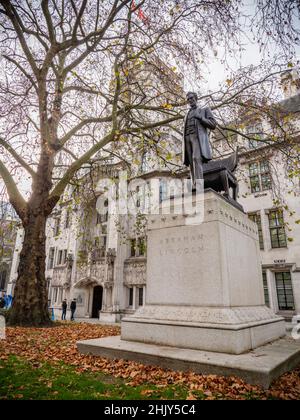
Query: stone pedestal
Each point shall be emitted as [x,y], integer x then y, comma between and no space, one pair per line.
[204,282]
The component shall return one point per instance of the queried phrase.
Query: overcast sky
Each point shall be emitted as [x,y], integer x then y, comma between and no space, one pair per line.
[215,73]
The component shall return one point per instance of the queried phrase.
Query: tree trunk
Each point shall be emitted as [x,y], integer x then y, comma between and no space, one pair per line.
[30,307]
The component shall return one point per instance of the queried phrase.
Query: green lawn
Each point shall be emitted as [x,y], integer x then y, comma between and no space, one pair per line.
[21,379]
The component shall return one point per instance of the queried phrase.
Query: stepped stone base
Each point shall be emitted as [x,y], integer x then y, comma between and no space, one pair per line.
[258,367]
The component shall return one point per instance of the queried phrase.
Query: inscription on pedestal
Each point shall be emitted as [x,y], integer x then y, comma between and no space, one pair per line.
[181,245]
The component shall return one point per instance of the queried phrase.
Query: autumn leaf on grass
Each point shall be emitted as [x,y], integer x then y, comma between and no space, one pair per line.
[134,374]
[147,392]
[208,394]
[191,396]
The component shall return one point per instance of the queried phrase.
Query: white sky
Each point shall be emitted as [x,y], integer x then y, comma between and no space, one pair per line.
[216,73]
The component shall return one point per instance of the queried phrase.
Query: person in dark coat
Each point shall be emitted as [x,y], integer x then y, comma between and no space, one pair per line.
[2,301]
[73,309]
[64,307]
[196,147]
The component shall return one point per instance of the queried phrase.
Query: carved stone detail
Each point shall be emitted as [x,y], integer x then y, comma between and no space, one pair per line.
[99,271]
[135,272]
[205,315]
[61,277]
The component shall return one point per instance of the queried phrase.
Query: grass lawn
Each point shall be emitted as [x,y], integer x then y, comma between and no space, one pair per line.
[21,379]
[44,363]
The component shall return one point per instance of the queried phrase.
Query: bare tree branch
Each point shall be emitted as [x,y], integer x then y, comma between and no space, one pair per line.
[14,194]
[17,157]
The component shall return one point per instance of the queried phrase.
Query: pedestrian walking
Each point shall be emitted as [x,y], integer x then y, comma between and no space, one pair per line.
[64,310]
[73,309]
[2,300]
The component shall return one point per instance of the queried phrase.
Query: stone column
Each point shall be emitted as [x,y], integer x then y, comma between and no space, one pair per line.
[88,301]
[144,295]
[134,298]
[265,228]
[104,299]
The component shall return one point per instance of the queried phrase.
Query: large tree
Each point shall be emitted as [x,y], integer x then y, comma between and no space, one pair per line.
[82,78]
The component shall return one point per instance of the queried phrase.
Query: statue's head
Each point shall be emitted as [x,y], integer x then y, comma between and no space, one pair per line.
[192,99]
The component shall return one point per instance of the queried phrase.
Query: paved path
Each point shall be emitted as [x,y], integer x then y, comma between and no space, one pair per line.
[94,321]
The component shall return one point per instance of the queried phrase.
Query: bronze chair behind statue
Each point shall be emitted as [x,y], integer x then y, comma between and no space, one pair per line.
[219,175]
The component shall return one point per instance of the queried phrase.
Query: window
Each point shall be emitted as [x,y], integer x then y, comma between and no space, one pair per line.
[62,256]
[141,296]
[138,247]
[277,231]
[266,289]
[145,167]
[141,247]
[254,177]
[260,176]
[55,294]
[60,295]
[68,219]
[163,190]
[265,176]
[103,241]
[100,241]
[256,133]
[51,258]
[59,257]
[99,219]
[285,291]
[102,217]
[131,296]
[56,226]
[97,253]
[105,216]
[138,197]
[256,218]
[132,247]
